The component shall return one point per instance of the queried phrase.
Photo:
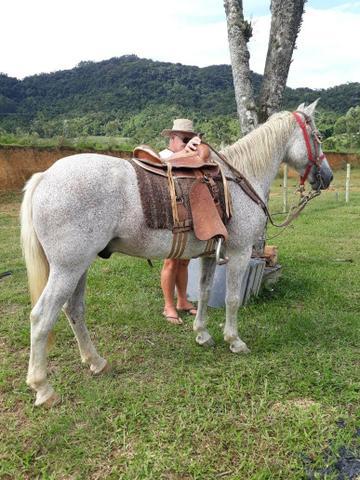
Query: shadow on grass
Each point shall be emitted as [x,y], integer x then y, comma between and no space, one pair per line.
[341,462]
[288,288]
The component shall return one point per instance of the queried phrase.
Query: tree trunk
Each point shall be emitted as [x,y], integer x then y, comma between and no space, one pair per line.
[286,17]
[239,33]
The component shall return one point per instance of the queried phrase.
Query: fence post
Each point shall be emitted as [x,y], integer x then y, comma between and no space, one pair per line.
[285,189]
[347,183]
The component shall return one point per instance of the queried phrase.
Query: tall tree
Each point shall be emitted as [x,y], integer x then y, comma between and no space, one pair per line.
[239,33]
[286,17]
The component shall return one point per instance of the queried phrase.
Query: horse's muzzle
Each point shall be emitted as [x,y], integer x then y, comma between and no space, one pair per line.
[321,177]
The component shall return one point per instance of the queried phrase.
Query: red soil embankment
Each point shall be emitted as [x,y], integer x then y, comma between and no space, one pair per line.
[17,164]
[339,160]
[336,160]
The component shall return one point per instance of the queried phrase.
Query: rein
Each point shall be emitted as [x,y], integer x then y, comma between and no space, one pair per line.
[247,188]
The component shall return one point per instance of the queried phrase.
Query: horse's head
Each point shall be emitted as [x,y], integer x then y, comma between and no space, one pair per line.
[304,151]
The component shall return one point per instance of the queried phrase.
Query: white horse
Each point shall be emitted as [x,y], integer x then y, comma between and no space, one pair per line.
[86,202]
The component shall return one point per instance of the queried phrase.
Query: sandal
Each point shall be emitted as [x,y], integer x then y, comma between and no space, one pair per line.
[173,320]
[189,311]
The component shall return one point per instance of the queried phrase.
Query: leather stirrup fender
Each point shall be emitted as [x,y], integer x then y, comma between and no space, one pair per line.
[206,219]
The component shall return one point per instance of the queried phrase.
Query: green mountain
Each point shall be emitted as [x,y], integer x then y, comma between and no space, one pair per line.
[128,95]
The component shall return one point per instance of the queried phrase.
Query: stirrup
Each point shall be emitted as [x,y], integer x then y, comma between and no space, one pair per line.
[220,260]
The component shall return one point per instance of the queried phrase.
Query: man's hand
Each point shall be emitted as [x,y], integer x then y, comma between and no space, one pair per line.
[192,144]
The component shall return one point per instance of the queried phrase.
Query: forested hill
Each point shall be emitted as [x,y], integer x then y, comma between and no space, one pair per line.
[118,89]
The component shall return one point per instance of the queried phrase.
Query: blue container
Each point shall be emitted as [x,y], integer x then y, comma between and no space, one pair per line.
[250,286]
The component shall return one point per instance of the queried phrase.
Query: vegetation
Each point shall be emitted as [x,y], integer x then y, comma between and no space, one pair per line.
[170,410]
[101,143]
[346,132]
[135,99]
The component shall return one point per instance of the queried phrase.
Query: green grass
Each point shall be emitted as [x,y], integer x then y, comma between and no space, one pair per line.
[100,143]
[171,410]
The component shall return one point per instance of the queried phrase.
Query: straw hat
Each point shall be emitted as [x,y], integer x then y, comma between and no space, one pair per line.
[180,125]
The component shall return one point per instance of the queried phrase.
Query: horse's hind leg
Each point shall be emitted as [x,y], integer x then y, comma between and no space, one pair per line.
[203,337]
[75,312]
[43,317]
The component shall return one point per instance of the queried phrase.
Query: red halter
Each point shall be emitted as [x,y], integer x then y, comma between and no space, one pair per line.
[313,159]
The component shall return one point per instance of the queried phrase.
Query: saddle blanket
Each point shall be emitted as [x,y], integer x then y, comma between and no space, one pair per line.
[155,198]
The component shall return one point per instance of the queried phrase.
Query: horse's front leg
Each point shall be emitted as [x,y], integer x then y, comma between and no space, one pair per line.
[207,271]
[236,269]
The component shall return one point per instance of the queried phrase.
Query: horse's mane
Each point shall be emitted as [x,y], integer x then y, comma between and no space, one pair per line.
[253,154]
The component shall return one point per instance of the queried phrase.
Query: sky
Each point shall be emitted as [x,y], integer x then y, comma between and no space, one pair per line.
[42,36]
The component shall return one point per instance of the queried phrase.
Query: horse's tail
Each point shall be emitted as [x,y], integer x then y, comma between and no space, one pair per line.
[36,262]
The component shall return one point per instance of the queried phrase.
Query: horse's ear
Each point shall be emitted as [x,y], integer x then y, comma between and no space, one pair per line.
[301,107]
[310,109]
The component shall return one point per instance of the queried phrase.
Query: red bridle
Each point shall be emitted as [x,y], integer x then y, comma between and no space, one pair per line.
[315,159]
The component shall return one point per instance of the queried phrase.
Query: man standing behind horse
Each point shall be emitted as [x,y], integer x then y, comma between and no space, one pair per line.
[175,271]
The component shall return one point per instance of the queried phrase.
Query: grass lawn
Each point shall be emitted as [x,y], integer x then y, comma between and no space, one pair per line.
[171,410]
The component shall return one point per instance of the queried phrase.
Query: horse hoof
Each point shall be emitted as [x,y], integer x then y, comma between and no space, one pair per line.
[54,400]
[206,342]
[239,347]
[105,369]
[50,402]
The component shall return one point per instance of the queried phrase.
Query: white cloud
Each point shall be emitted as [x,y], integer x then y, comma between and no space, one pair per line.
[55,35]
[328,49]
[327,52]
[48,36]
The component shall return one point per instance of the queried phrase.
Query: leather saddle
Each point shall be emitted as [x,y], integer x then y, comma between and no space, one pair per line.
[204,202]
[182,164]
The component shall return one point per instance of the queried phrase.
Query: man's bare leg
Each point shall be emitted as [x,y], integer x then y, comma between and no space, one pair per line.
[181,282]
[168,281]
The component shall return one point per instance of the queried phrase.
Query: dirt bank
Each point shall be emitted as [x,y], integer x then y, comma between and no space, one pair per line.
[339,160]
[336,160]
[17,164]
